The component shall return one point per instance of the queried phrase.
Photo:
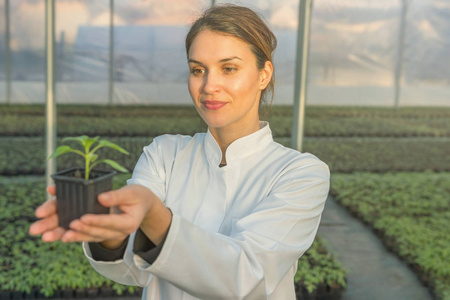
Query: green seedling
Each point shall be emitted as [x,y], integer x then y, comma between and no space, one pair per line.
[90,158]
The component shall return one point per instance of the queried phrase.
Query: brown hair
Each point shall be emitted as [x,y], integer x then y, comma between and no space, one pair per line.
[243,23]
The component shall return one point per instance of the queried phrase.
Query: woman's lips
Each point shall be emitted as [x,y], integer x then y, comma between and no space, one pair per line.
[213,105]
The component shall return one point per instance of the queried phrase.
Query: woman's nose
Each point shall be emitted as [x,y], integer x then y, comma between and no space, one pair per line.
[211,83]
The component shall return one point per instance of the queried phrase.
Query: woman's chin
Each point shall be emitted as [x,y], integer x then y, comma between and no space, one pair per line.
[215,125]
[215,122]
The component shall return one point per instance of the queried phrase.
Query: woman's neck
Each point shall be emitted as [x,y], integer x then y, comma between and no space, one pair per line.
[224,137]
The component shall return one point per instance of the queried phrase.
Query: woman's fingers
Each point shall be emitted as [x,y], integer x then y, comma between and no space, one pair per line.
[116,222]
[51,189]
[129,210]
[81,231]
[53,235]
[131,203]
[49,229]
[48,208]
[44,225]
[48,225]
[129,195]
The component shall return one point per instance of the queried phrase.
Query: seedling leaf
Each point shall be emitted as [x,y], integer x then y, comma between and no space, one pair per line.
[61,150]
[89,142]
[93,157]
[90,158]
[81,139]
[105,143]
[115,165]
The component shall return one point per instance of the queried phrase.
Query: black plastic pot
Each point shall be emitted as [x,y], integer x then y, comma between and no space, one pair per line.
[76,196]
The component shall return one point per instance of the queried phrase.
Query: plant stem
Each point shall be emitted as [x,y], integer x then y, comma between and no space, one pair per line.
[86,166]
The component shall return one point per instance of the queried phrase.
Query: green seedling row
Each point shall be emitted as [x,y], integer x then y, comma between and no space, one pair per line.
[154,121]
[410,212]
[324,112]
[25,156]
[48,267]
[28,264]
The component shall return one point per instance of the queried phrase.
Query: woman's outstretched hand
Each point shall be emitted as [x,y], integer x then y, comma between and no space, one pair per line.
[48,225]
[137,207]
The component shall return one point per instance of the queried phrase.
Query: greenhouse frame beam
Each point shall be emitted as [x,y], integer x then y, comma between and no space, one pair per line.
[301,68]
[400,50]
[7,53]
[50,125]
[111,53]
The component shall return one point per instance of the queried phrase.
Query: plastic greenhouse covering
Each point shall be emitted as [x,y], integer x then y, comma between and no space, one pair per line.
[361,51]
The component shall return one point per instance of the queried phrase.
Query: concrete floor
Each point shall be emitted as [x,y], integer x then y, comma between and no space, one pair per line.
[373,272]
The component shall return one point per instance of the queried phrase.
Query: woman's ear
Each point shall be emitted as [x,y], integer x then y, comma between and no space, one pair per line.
[265,75]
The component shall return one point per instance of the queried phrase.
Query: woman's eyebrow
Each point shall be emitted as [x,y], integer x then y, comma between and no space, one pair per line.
[190,60]
[229,58]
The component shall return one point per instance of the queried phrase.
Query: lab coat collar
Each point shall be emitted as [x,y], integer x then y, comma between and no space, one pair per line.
[241,147]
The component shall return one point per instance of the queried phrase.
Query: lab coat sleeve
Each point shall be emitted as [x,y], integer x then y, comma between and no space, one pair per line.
[122,270]
[152,166]
[261,248]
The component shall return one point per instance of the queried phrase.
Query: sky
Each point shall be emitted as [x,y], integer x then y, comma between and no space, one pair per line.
[362,32]
[28,16]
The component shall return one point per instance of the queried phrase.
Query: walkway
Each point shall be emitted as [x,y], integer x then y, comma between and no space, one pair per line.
[373,273]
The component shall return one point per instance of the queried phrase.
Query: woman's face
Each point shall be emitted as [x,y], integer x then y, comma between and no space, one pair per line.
[224,81]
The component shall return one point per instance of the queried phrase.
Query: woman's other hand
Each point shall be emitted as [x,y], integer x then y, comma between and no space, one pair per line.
[48,223]
[137,207]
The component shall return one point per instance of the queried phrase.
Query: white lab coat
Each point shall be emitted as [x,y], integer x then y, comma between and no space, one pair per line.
[237,231]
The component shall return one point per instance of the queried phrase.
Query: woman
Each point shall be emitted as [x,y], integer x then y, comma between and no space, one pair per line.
[221,215]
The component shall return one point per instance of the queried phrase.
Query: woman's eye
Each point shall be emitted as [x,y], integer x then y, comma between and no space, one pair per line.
[229,70]
[197,71]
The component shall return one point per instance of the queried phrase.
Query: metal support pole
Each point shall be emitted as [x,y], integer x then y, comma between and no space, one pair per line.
[213,2]
[111,52]
[304,20]
[50,126]
[399,58]
[7,53]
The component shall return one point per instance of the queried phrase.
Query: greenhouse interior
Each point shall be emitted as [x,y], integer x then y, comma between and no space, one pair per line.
[382,53]
[363,85]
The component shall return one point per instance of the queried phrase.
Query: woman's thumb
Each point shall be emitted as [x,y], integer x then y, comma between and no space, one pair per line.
[107,198]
